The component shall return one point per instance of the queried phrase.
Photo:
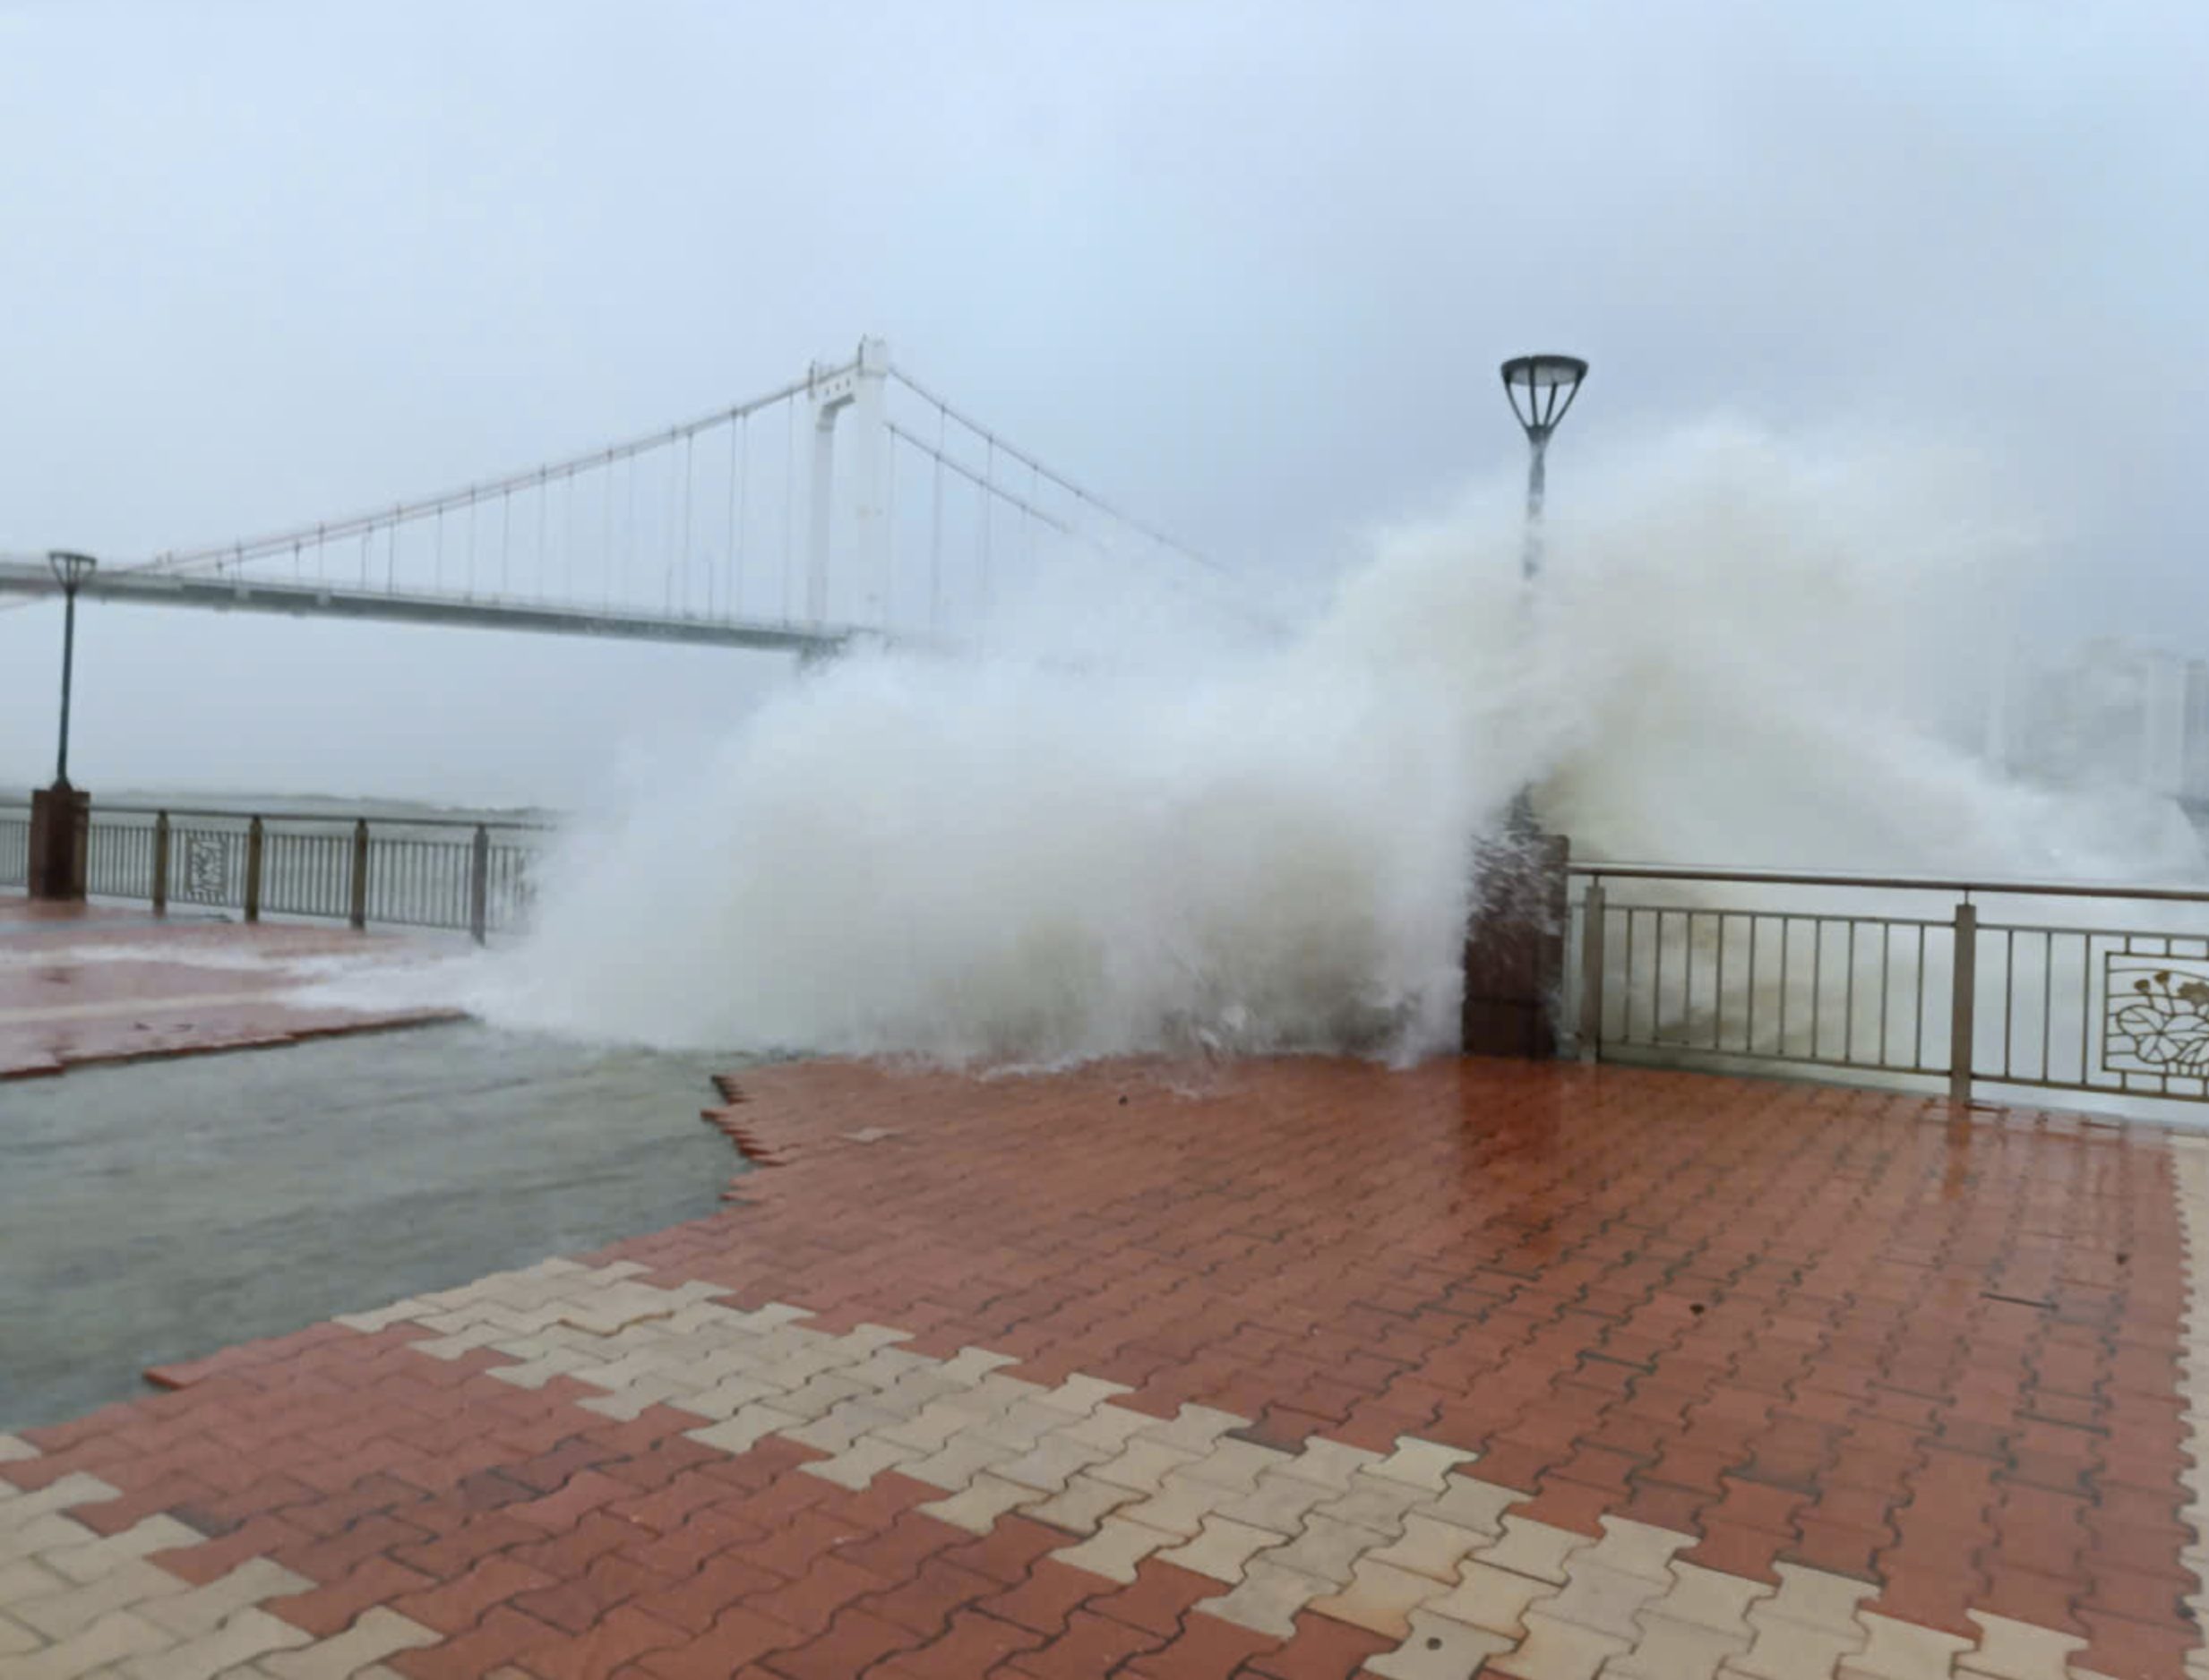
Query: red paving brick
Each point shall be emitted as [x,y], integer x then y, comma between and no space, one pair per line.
[1939,1356]
[81,1002]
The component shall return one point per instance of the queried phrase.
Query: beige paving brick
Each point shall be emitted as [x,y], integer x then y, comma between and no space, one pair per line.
[963,1458]
[1427,1547]
[1421,1463]
[1021,1426]
[1194,1428]
[1557,1651]
[1437,1649]
[774,1316]
[977,1505]
[15,1639]
[818,1396]
[1333,1464]
[1114,1549]
[376,1633]
[192,1614]
[1109,1427]
[1236,1465]
[971,1365]
[1265,1601]
[751,1426]
[842,1424]
[1817,1598]
[1606,1600]
[1052,1462]
[1222,1549]
[2013,1651]
[1786,1650]
[1637,1549]
[930,1429]
[1703,1598]
[1469,1503]
[18,1510]
[1086,1503]
[638,1398]
[1902,1651]
[1082,1395]
[858,1466]
[14,1448]
[49,1533]
[380,1318]
[1374,1504]
[1325,1550]
[1379,1598]
[1143,1465]
[109,1642]
[726,1398]
[1179,1506]
[1279,1502]
[26,1580]
[1678,1650]
[1495,1600]
[240,1639]
[1534,1548]
[995,1394]
[80,1605]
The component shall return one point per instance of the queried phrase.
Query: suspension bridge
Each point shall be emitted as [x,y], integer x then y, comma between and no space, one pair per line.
[850,505]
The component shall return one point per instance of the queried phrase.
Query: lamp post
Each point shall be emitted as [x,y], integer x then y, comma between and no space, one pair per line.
[69,572]
[1549,384]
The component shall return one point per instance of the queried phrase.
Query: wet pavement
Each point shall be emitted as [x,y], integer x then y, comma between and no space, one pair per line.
[81,984]
[1291,1369]
[158,1211]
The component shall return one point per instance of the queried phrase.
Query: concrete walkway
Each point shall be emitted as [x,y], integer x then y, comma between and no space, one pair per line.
[1296,1370]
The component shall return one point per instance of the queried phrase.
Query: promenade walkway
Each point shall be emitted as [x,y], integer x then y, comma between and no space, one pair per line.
[1295,1370]
[91,983]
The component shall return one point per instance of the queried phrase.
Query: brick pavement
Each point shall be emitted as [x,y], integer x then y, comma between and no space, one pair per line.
[84,983]
[1294,1369]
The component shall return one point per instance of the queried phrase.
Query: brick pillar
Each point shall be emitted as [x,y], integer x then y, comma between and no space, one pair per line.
[61,831]
[1515,948]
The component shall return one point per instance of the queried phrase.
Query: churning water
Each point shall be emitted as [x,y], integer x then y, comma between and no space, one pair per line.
[1126,829]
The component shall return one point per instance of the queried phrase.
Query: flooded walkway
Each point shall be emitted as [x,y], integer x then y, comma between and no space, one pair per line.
[1296,1370]
[94,983]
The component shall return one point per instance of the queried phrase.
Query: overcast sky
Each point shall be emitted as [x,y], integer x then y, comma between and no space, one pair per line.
[1246,267]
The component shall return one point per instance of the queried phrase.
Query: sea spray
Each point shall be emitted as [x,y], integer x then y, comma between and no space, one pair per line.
[1125,825]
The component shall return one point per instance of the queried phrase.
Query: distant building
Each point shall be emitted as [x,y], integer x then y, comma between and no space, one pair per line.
[2114,713]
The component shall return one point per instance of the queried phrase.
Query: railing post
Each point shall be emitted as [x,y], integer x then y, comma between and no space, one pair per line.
[1963,1000]
[1591,1033]
[160,864]
[357,897]
[479,883]
[255,845]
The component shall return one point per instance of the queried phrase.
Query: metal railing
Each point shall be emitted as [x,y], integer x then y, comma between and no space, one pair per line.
[14,849]
[409,871]
[1893,975]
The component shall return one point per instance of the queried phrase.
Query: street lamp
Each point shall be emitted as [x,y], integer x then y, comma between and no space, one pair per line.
[1549,384]
[69,572]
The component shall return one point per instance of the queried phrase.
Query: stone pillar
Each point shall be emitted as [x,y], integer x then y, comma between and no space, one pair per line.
[61,832]
[1515,948]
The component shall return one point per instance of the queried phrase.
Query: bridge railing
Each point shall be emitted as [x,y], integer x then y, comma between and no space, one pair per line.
[1944,982]
[454,873]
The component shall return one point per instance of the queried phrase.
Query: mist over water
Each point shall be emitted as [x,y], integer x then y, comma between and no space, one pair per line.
[1129,827]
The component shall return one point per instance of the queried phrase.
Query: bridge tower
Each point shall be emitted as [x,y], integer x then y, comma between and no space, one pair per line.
[857,395]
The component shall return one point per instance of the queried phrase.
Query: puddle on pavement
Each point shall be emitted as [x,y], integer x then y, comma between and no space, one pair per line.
[159,1210]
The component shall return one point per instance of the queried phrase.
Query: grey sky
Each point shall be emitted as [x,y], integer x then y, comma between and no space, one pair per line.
[1247,267]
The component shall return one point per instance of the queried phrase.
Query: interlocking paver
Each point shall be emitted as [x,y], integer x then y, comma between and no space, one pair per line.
[1485,1387]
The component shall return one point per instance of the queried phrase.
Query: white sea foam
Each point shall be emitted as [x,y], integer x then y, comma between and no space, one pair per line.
[1128,830]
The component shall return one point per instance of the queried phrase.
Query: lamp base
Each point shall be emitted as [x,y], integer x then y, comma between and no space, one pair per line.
[61,833]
